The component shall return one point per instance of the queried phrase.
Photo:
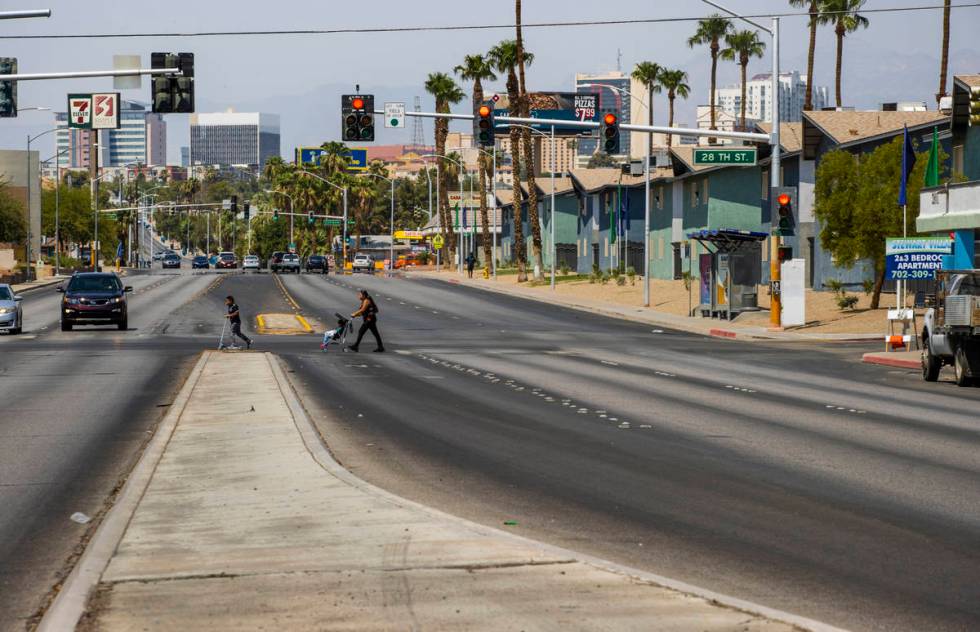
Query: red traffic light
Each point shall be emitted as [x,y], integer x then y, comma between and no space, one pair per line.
[484,111]
[609,118]
[784,199]
[357,104]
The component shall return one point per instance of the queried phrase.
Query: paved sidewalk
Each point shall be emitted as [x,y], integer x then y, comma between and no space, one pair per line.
[33,285]
[237,518]
[703,326]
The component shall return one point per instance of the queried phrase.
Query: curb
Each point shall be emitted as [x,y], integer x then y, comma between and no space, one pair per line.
[722,333]
[900,363]
[316,446]
[70,603]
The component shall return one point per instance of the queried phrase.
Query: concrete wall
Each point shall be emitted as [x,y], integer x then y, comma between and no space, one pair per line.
[14,173]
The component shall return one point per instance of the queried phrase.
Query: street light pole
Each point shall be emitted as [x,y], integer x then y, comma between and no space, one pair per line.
[344,191]
[554,246]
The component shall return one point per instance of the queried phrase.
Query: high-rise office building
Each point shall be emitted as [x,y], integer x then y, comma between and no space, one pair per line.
[234,138]
[758,97]
[141,137]
[614,90]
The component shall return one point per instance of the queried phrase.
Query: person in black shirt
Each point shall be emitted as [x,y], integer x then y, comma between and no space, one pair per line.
[235,317]
[369,311]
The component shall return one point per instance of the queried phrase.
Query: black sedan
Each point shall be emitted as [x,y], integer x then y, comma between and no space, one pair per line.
[317,263]
[171,261]
[200,262]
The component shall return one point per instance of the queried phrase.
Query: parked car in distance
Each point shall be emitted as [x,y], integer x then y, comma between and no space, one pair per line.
[275,260]
[290,263]
[11,312]
[318,263]
[200,262]
[362,262]
[226,260]
[94,298]
[158,256]
[251,262]
[171,261]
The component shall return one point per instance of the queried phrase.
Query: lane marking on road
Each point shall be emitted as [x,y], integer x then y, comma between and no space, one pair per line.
[285,293]
[282,325]
[610,363]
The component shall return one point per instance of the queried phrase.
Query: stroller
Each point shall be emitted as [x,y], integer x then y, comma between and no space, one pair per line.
[338,335]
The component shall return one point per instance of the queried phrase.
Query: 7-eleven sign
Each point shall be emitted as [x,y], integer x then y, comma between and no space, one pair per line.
[80,111]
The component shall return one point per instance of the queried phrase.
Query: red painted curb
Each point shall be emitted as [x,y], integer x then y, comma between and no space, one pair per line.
[722,333]
[900,363]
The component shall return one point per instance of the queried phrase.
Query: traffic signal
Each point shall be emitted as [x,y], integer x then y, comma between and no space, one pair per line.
[275,214]
[483,124]
[784,201]
[357,124]
[8,89]
[247,209]
[610,133]
[785,254]
[173,93]
[234,204]
[310,215]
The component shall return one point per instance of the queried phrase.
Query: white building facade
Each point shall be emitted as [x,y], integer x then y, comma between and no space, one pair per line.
[758,97]
[234,138]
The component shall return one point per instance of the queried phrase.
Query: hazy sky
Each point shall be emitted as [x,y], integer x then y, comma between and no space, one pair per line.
[301,77]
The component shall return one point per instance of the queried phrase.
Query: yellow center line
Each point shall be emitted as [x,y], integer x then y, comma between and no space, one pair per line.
[285,292]
[306,325]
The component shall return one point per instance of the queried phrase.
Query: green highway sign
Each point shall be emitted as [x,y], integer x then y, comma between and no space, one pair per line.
[740,156]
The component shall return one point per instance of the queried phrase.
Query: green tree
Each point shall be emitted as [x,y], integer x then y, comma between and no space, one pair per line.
[600,160]
[446,93]
[648,73]
[13,227]
[523,60]
[675,82]
[741,47]
[843,14]
[813,6]
[857,205]
[711,31]
[477,68]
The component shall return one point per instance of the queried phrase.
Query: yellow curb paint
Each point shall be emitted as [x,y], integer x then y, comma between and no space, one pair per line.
[304,323]
[261,322]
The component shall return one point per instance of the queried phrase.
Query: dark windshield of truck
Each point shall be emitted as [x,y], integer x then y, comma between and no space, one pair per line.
[966,284]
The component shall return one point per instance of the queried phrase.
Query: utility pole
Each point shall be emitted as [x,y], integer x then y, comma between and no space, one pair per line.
[93,171]
[775,271]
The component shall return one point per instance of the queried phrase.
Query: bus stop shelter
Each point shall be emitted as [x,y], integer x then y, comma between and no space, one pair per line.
[730,271]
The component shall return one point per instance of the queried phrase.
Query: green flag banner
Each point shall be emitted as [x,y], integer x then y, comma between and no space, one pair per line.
[932,167]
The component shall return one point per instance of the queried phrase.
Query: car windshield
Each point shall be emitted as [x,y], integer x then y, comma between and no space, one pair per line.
[6,294]
[291,257]
[95,284]
[172,257]
[227,256]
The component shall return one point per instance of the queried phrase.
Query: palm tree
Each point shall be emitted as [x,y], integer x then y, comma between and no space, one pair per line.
[743,45]
[648,73]
[814,7]
[710,31]
[477,68]
[503,56]
[944,64]
[843,14]
[675,81]
[334,159]
[274,167]
[446,93]
[523,60]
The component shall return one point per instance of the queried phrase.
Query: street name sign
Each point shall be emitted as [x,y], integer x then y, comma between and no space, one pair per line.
[726,156]
[394,115]
[105,110]
[915,257]
[80,111]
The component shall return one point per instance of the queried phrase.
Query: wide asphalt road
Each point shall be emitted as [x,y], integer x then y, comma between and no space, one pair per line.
[790,475]
[787,474]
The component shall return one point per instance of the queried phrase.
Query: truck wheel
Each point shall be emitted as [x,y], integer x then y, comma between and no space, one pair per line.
[962,368]
[931,365]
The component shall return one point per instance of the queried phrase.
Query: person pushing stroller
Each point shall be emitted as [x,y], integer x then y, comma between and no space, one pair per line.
[369,312]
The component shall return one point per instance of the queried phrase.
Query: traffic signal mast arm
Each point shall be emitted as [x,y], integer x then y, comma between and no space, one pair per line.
[90,73]
[628,127]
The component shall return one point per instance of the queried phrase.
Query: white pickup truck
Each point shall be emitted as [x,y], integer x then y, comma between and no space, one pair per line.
[951,334]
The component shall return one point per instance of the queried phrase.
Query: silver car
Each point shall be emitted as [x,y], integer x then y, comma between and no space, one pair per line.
[11,313]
